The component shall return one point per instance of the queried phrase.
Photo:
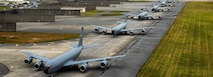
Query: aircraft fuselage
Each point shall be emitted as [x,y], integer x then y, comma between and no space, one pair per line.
[155,8]
[58,62]
[143,15]
[119,27]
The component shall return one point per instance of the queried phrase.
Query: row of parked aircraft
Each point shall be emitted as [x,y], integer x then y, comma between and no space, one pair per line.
[143,15]
[68,58]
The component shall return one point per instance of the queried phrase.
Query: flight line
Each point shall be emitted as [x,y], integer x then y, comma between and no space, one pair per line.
[109,46]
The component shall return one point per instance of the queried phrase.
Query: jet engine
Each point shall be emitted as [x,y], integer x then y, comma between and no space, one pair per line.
[28,60]
[83,67]
[143,30]
[38,65]
[153,9]
[131,33]
[103,64]
[97,29]
[104,31]
[162,10]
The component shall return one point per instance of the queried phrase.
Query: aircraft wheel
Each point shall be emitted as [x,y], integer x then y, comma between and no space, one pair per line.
[144,33]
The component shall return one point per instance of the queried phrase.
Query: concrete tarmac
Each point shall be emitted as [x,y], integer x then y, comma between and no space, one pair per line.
[12,57]
[140,49]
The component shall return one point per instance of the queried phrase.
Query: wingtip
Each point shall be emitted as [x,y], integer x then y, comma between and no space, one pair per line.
[24,51]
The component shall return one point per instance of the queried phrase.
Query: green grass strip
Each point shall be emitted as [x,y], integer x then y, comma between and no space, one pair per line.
[186,49]
[91,12]
[30,37]
[115,13]
[4,8]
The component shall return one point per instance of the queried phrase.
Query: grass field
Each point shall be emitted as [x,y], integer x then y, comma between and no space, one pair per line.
[186,50]
[115,13]
[28,37]
[91,12]
[4,8]
[95,12]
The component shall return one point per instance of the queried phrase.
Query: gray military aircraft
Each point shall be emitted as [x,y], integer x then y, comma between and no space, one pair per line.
[143,16]
[172,1]
[156,8]
[120,28]
[165,3]
[66,59]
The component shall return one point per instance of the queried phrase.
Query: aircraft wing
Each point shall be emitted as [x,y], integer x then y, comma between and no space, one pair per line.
[104,28]
[69,63]
[45,59]
[132,29]
[73,45]
[131,15]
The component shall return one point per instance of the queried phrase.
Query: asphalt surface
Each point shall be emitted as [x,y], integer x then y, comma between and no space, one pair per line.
[108,45]
[140,49]
[68,24]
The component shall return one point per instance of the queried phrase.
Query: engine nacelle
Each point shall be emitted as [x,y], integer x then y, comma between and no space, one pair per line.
[131,33]
[103,64]
[38,65]
[97,30]
[153,10]
[162,10]
[104,31]
[28,60]
[143,30]
[83,67]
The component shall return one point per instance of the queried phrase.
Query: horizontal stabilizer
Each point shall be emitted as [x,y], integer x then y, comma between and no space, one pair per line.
[73,45]
[90,45]
[120,22]
[104,28]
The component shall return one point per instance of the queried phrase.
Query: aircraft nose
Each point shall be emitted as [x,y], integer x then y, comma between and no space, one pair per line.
[46,70]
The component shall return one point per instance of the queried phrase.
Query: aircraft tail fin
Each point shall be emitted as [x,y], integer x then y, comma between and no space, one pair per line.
[80,42]
[125,21]
[144,9]
[73,45]
[90,45]
[126,17]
